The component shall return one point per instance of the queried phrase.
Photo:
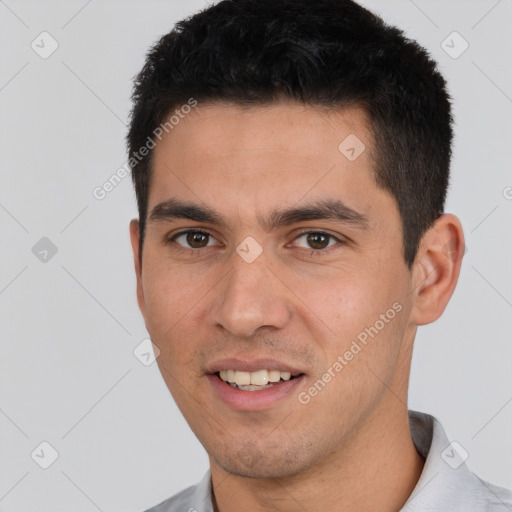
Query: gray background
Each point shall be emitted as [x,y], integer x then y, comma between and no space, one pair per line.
[69,324]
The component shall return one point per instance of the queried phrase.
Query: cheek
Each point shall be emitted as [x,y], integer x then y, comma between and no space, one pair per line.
[169,302]
[169,292]
[342,303]
[356,308]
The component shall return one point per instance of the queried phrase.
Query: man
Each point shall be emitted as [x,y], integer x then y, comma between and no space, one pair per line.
[291,160]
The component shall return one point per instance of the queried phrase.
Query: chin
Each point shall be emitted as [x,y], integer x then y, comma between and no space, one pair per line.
[252,461]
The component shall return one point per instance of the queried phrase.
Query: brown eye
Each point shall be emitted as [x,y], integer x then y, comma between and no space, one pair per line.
[316,240]
[197,239]
[193,239]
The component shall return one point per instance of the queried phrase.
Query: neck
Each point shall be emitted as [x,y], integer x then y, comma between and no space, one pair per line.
[377,469]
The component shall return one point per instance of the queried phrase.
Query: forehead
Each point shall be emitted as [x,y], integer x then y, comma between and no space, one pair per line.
[226,156]
[303,131]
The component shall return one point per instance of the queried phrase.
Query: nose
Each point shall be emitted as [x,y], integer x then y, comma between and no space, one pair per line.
[249,298]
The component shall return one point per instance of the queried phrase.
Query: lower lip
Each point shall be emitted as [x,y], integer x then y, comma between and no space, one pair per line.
[241,400]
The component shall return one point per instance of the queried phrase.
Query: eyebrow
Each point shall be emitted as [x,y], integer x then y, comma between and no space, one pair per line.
[327,209]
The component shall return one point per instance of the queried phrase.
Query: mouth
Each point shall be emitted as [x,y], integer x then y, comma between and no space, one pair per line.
[255,381]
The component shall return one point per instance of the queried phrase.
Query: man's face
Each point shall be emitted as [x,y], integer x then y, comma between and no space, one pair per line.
[263,290]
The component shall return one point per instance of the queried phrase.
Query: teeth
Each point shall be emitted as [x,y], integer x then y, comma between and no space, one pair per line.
[274,376]
[242,378]
[252,387]
[258,378]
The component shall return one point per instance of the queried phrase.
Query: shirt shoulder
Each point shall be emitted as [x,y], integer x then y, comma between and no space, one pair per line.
[495,498]
[196,498]
[175,503]
[446,482]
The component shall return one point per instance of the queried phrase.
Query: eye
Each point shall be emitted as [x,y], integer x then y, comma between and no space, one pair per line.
[193,239]
[317,240]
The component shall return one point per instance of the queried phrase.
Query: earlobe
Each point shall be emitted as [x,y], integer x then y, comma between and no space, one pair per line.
[436,269]
[134,238]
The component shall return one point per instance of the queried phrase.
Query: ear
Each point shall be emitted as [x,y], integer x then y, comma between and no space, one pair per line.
[134,237]
[436,269]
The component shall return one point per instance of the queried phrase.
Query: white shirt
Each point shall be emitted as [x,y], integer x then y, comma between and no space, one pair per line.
[446,483]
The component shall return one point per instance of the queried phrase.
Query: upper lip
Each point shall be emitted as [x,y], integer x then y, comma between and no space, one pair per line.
[252,365]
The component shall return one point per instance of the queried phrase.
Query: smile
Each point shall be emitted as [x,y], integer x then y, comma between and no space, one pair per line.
[254,381]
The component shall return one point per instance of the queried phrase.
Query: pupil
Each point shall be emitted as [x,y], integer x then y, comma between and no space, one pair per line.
[318,241]
[197,239]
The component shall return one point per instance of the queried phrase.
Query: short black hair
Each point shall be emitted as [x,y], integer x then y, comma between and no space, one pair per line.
[331,53]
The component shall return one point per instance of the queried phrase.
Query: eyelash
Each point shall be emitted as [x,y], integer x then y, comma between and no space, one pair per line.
[313,252]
